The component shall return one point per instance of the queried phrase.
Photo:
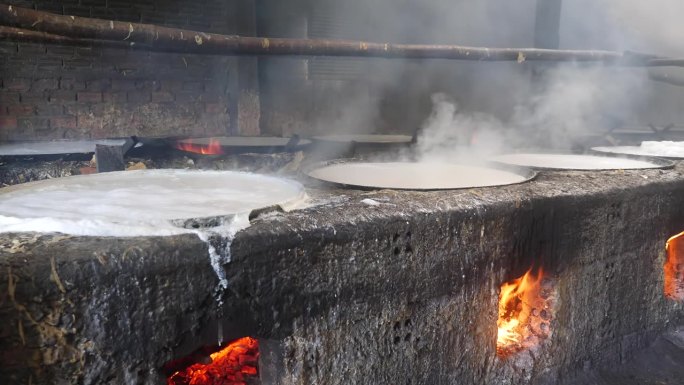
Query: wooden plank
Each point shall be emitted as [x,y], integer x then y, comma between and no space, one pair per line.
[179,40]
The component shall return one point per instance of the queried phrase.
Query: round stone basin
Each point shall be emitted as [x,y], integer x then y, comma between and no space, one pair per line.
[664,149]
[144,202]
[416,176]
[579,162]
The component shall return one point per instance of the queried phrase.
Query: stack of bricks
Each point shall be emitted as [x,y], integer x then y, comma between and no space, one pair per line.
[61,92]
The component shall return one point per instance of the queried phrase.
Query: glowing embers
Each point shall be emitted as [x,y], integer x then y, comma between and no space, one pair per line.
[236,363]
[212,148]
[525,312]
[674,268]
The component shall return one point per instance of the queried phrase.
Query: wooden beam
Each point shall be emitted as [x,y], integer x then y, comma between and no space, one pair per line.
[179,40]
[28,36]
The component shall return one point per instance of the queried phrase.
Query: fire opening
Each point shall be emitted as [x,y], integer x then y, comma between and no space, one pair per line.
[213,148]
[674,268]
[525,312]
[234,364]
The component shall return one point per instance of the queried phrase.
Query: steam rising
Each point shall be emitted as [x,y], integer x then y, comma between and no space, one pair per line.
[570,102]
[496,107]
[449,130]
[649,26]
[576,100]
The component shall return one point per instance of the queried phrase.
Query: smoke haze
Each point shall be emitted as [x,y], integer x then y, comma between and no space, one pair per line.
[569,100]
[491,105]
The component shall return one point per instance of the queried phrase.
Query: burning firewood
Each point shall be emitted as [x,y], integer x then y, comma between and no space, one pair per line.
[525,312]
[236,363]
[674,268]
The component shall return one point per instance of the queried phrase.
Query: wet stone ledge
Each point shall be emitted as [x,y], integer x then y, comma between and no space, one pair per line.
[348,293]
[16,172]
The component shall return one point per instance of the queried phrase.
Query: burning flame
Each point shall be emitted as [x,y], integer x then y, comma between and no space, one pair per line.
[674,268]
[524,312]
[235,364]
[214,147]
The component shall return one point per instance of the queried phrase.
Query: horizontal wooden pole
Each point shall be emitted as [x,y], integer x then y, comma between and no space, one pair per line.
[29,36]
[179,40]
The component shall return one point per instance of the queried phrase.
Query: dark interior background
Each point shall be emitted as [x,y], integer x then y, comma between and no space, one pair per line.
[55,92]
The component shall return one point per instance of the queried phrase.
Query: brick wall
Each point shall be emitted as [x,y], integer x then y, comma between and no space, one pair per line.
[54,92]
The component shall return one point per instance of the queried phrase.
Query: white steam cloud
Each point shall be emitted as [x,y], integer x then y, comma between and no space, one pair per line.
[450,134]
[494,107]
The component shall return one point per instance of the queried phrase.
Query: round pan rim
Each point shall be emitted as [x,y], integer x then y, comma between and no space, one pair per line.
[662,164]
[525,172]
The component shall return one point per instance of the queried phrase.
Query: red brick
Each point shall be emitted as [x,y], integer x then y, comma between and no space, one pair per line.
[98,132]
[139,97]
[215,108]
[58,50]
[34,98]
[44,85]
[77,65]
[123,85]
[89,97]
[147,85]
[98,85]
[216,87]
[90,122]
[9,98]
[17,84]
[21,110]
[64,122]
[31,50]
[171,85]
[62,96]
[77,109]
[49,109]
[212,97]
[90,52]
[114,97]
[33,123]
[187,97]
[99,109]
[72,84]
[193,86]
[8,122]
[48,64]
[162,97]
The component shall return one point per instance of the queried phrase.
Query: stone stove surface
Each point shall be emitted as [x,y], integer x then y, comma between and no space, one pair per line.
[404,290]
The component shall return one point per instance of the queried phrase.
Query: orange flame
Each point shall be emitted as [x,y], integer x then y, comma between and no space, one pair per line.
[523,313]
[214,147]
[235,364]
[674,268]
